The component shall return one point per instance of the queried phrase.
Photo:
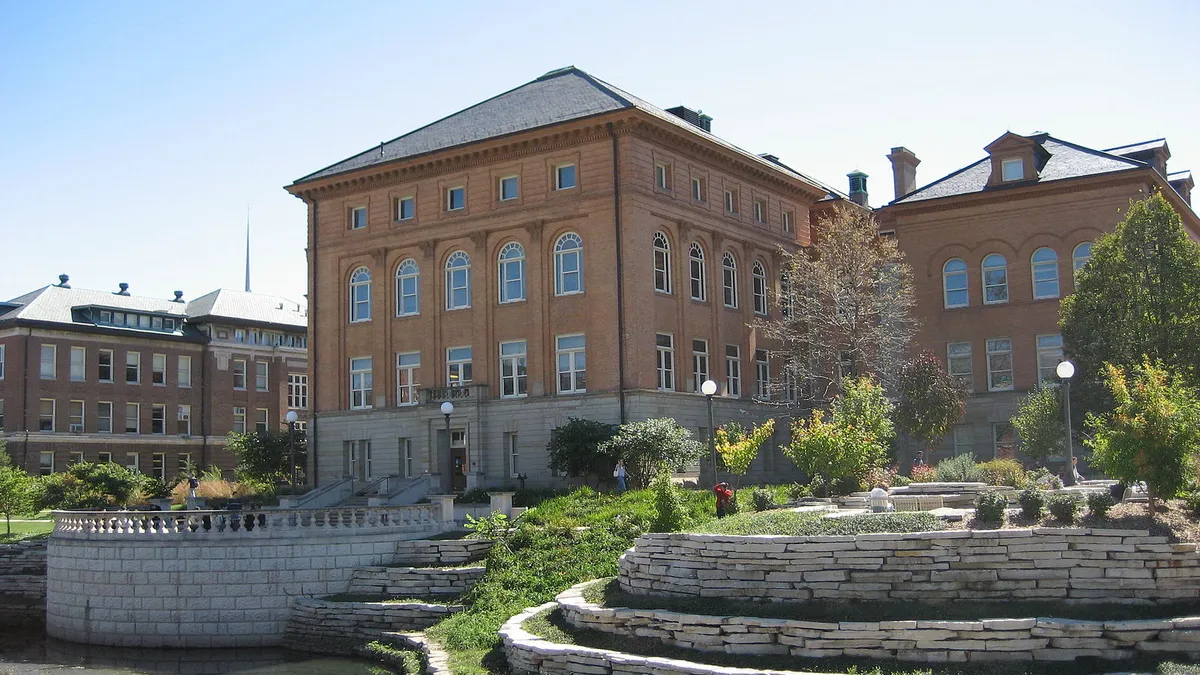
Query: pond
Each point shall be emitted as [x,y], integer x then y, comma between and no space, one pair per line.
[25,650]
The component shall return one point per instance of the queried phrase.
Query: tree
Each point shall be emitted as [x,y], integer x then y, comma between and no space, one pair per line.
[262,457]
[1153,434]
[738,448]
[852,441]
[1137,298]
[87,485]
[1039,422]
[651,447]
[575,448]
[849,309]
[930,401]
[16,490]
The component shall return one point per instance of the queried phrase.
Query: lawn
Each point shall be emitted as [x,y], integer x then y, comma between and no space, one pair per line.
[791,523]
[25,530]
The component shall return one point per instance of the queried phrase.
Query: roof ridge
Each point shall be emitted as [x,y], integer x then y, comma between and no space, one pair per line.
[943,179]
[605,87]
[1130,145]
[1104,153]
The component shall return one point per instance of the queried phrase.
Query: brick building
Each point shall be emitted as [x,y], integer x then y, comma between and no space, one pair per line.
[150,383]
[564,249]
[994,246]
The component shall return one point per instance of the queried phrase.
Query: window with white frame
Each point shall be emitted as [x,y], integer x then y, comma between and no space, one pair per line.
[133,462]
[158,465]
[1045,273]
[262,418]
[512,369]
[665,361]
[78,364]
[1012,169]
[406,458]
[133,418]
[297,394]
[760,211]
[358,217]
[133,367]
[75,457]
[184,464]
[662,263]
[662,175]
[699,189]
[1079,257]
[158,369]
[759,274]
[262,380]
[1000,364]
[158,418]
[568,264]
[788,217]
[731,200]
[696,271]
[570,351]
[361,387]
[762,380]
[104,365]
[47,407]
[406,208]
[239,373]
[564,177]
[458,366]
[458,280]
[1,414]
[509,188]
[954,284]
[959,364]
[183,420]
[699,364]
[456,198]
[514,454]
[239,420]
[48,362]
[407,365]
[995,279]
[729,280]
[733,370]
[104,457]
[2,362]
[408,288]
[46,462]
[512,272]
[360,295]
[75,416]
[1049,355]
[184,371]
[104,417]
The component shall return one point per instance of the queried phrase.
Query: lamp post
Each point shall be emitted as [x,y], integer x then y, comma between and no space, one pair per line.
[708,388]
[448,465]
[291,420]
[1065,371]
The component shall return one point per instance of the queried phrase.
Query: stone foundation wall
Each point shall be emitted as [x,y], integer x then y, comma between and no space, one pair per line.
[322,625]
[23,579]
[447,552]
[1074,565]
[414,581]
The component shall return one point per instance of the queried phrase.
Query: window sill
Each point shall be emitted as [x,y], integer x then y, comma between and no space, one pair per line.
[456,309]
[568,294]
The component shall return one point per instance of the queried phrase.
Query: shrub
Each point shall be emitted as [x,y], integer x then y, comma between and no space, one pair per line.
[796,492]
[492,527]
[901,481]
[845,485]
[762,499]
[818,487]
[1064,508]
[959,469]
[575,449]
[738,446]
[1003,472]
[881,475]
[1099,503]
[1192,499]
[651,447]
[476,496]
[1056,483]
[923,473]
[990,507]
[1032,501]
[1038,476]
[671,515]
[850,441]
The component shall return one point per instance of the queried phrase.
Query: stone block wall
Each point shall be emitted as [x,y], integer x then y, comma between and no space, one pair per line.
[1074,565]
[425,552]
[23,579]
[414,581]
[322,625]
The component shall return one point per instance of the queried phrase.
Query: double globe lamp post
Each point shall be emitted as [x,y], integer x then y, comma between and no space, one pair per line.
[708,388]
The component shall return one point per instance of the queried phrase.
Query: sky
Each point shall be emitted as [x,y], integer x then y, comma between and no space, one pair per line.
[134,136]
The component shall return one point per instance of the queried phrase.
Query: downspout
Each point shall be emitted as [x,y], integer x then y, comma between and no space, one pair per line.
[206,373]
[25,402]
[616,160]
[310,437]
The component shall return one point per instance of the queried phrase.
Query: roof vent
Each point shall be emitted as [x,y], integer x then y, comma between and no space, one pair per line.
[696,118]
[62,281]
[124,289]
[774,159]
[178,296]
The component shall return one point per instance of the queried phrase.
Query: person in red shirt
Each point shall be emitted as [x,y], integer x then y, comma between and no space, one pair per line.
[724,498]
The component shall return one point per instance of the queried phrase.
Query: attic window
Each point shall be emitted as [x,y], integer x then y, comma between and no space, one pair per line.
[1012,169]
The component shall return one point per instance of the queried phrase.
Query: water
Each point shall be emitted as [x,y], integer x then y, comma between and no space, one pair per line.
[25,650]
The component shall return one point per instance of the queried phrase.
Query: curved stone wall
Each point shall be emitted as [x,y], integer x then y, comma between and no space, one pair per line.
[314,622]
[1075,565]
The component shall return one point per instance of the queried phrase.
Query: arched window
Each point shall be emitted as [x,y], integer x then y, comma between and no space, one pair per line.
[512,272]
[786,300]
[954,284]
[1045,273]
[458,280]
[568,265]
[1080,257]
[760,288]
[360,295]
[995,279]
[408,288]
[662,263]
[696,265]
[729,279]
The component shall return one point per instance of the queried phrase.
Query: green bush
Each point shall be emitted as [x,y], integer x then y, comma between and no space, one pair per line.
[845,485]
[1099,503]
[990,507]
[762,499]
[1032,501]
[651,447]
[476,496]
[959,469]
[818,487]
[901,481]
[1192,499]
[1065,508]
[1003,472]
[796,492]
[791,523]
[670,515]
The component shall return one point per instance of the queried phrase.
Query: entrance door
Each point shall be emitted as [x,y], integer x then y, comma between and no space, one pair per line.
[458,455]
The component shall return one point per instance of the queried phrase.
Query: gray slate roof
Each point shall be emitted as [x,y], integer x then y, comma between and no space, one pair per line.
[1137,147]
[558,96]
[1066,160]
[253,307]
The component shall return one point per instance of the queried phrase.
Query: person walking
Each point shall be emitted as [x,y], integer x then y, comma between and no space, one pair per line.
[619,474]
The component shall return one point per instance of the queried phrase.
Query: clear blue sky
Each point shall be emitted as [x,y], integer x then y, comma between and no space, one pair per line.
[133,135]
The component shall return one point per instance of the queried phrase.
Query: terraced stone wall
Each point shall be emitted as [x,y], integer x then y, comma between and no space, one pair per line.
[442,551]
[414,581]
[339,627]
[23,580]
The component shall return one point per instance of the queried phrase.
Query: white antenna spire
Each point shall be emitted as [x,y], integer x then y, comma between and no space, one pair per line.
[247,248]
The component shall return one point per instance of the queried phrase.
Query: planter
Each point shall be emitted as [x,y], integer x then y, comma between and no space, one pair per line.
[196,503]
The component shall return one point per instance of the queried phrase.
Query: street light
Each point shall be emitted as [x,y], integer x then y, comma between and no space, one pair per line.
[1065,371]
[291,420]
[448,466]
[708,388]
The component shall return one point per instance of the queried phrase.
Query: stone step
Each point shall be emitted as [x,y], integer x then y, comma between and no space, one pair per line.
[445,552]
[322,625]
[414,581]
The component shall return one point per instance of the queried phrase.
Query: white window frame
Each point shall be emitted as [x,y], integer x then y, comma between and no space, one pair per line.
[762,373]
[1052,265]
[76,422]
[510,266]
[729,284]
[500,188]
[958,354]
[354,217]
[946,290]
[458,278]
[563,251]
[133,462]
[45,468]
[760,211]
[733,371]
[696,272]
[53,418]
[262,420]
[698,189]
[48,368]
[158,465]
[460,370]
[239,373]
[297,393]
[406,457]
[994,350]
[787,222]
[514,454]
[731,201]
[1077,263]
[1051,345]
[183,373]
[662,263]
[360,295]
[450,207]
[136,408]
[158,370]
[361,382]
[158,413]
[516,364]
[700,363]
[239,420]
[664,360]
[133,360]
[78,364]
[100,365]
[408,272]
[559,184]
[101,406]
[408,365]
[2,361]
[1011,162]
[400,201]
[985,268]
[662,175]
[759,287]
[576,376]
[183,420]
[262,375]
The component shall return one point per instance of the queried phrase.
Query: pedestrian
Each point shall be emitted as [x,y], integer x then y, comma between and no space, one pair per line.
[619,474]
[192,485]
[724,499]
[1075,470]
[919,460]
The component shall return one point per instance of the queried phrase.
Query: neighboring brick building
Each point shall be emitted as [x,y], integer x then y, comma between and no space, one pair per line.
[145,382]
[564,249]
[994,246]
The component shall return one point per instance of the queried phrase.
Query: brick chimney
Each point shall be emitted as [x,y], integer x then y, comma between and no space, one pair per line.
[904,170]
[858,188]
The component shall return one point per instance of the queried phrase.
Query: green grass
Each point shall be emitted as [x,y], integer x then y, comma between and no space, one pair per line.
[407,660]
[25,530]
[791,523]
[586,508]
[390,599]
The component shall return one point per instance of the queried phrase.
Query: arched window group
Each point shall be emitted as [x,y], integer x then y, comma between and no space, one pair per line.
[954,283]
[995,279]
[1044,275]
[568,264]
[458,280]
[360,295]
[662,263]
[512,272]
[408,288]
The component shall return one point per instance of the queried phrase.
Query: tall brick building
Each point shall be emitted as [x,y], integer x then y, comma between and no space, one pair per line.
[996,244]
[564,249]
[150,383]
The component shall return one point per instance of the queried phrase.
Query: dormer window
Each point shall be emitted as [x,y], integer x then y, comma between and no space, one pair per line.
[1012,169]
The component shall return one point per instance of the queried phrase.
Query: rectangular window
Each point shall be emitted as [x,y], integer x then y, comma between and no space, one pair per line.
[183,421]
[962,439]
[239,420]
[1004,441]
[133,418]
[1013,169]
[406,208]
[184,464]
[297,391]
[104,365]
[133,367]
[75,416]
[158,418]
[74,457]
[846,365]
[1,414]
[665,361]
[239,335]
[46,410]
[361,387]
[509,188]
[662,175]
[999,363]
[762,380]
[1,362]
[456,198]
[514,455]
[49,367]
[564,176]
[133,462]
[458,366]
[46,462]
[158,369]
[104,415]
[760,211]
[733,370]
[1049,355]
[104,457]
[184,371]
[358,217]
[512,369]
[239,373]
[406,457]
[699,363]
[158,465]
[262,418]
[787,222]
[261,372]
[958,363]
[78,364]
[699,193]
[407,365]
[572,363]
[731,200]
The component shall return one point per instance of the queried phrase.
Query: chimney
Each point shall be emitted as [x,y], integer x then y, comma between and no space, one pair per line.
[124,289]
[178,296]
[858,188]
[62,281]
[696,118]
[904,170]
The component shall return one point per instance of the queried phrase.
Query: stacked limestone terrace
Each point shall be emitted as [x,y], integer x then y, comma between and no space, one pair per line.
[23,579]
